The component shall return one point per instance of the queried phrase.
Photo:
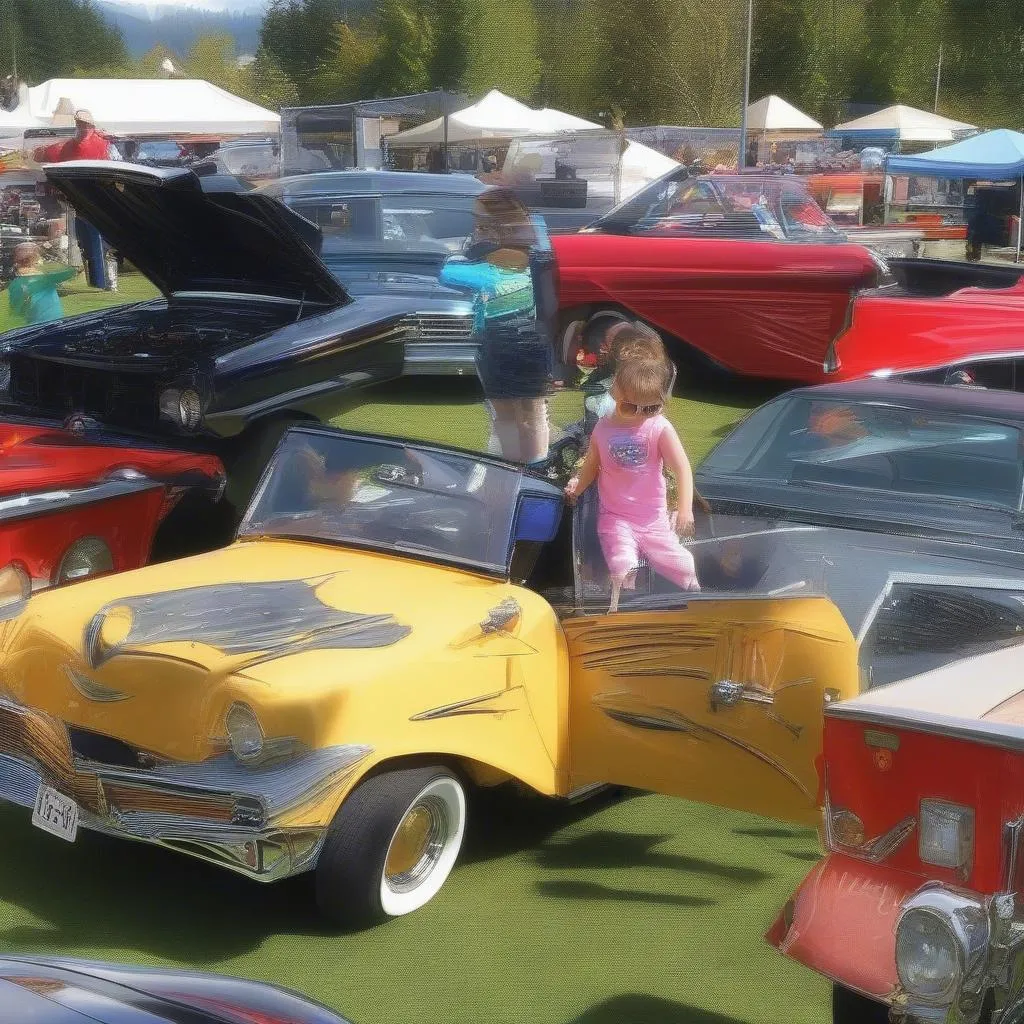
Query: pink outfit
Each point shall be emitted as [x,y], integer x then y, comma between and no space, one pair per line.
[633,514]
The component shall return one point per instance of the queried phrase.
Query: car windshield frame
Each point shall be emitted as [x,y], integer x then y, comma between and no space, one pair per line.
[256,526]
[765,424]
[634,215]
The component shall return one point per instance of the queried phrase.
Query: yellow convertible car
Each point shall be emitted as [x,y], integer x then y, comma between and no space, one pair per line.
[395,626]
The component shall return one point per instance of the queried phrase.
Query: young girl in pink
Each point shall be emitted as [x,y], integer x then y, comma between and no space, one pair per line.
[628,451]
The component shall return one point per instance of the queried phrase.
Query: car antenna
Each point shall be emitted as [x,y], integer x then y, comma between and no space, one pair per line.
[302,304]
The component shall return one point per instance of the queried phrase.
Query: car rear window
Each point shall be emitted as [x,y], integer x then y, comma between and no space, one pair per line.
[834,443]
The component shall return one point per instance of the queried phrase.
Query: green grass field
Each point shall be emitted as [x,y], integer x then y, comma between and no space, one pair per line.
[639,910]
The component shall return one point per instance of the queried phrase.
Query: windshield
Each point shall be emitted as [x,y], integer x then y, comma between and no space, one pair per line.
[364,225]
[388,496]
[897,451]
[723,205]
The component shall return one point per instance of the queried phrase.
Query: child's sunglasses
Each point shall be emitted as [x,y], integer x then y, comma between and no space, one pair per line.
[631,408]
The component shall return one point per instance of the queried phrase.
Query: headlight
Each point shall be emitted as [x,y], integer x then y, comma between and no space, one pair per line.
[244,732]
[106,633]
[88,556]
[15,588]
[941,938]
[185,408]
[927,957]
[946,835]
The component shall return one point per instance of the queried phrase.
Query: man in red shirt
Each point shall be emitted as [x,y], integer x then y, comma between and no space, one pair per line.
[86,144]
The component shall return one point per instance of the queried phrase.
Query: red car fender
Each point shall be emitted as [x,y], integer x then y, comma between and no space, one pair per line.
[57,488]
[902,335]
[841,923]
[759,308]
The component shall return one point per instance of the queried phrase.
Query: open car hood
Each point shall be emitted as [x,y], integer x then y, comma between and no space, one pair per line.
[191,234]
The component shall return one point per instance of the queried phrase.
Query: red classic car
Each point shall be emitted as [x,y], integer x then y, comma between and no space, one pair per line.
[973,331]
[917,907]
[72,507]
[773,290]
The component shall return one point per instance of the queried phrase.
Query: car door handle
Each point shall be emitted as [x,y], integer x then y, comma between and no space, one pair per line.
[727,694]
[502,617]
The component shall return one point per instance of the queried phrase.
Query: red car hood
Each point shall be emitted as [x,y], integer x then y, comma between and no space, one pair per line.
[902,335]
[36,458]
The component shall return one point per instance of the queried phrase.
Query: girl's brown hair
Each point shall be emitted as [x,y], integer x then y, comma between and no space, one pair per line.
[641,364]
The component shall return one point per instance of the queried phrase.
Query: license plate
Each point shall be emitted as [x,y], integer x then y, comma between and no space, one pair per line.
[55,813]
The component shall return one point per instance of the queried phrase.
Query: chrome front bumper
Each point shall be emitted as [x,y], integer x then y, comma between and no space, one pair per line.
[244,819]
[423,358]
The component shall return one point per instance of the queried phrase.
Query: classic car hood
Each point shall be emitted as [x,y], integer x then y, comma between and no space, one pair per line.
[190,234]
[306,619]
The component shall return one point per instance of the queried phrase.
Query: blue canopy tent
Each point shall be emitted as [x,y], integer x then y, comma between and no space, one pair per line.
[997,155]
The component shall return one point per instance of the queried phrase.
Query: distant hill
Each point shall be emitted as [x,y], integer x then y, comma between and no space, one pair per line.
[177,29]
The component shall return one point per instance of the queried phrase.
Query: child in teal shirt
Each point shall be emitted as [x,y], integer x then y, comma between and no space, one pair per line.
[33,290]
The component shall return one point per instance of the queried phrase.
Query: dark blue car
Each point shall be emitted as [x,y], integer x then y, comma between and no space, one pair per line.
[390,232]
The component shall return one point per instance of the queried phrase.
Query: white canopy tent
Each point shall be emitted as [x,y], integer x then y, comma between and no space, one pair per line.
[145,106]
[499,118]
[496,117]
[909,125]
[773,114]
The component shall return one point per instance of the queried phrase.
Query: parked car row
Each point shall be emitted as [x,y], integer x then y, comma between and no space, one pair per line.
[384,627]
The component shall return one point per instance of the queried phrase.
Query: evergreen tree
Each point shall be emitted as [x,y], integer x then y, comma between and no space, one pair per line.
[404,51]
[264,82]
[569,43]
[56,39]
[450,27]
[503,53]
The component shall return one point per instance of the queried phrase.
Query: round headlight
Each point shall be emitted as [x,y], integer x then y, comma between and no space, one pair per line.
[106,633]
[15,585]
[244,732]
[190,410]
[928,957]
[88,556]
[185,408]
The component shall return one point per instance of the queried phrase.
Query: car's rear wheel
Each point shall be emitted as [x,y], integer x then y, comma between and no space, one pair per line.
[391,846]
[852,1008]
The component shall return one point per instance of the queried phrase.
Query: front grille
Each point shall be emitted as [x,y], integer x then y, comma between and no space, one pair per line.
[60,389]
[445,328]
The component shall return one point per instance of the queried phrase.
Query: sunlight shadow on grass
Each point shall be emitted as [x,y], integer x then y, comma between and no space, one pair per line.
[593,891]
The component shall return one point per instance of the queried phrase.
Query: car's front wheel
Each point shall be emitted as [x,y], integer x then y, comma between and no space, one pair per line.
[391,846]
[850,1007]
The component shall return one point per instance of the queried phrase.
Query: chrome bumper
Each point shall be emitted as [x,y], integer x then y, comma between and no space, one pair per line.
[217,810]
[437,359]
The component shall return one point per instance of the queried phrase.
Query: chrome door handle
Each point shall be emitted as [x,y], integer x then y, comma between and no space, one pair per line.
[502,616]
[727,694]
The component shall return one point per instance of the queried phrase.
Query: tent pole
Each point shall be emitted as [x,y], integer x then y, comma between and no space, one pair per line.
[1020,218]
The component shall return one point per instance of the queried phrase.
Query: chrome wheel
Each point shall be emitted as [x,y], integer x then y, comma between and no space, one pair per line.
[424,847]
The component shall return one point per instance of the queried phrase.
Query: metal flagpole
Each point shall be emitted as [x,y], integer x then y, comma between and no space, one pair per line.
[938,80]
[746,87]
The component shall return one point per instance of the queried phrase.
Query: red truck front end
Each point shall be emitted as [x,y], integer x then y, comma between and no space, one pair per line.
[915,907]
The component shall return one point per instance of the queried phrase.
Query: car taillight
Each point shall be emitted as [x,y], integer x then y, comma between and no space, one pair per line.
[236,1014]
[946,835]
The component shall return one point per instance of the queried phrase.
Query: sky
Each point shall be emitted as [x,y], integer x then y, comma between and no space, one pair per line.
[210,5]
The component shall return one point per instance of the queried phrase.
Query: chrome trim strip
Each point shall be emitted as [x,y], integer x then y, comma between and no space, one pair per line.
[463,707]
[978,730]
[92,690]
[660,719]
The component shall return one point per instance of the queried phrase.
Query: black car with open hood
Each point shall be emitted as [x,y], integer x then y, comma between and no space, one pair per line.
[251,326]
